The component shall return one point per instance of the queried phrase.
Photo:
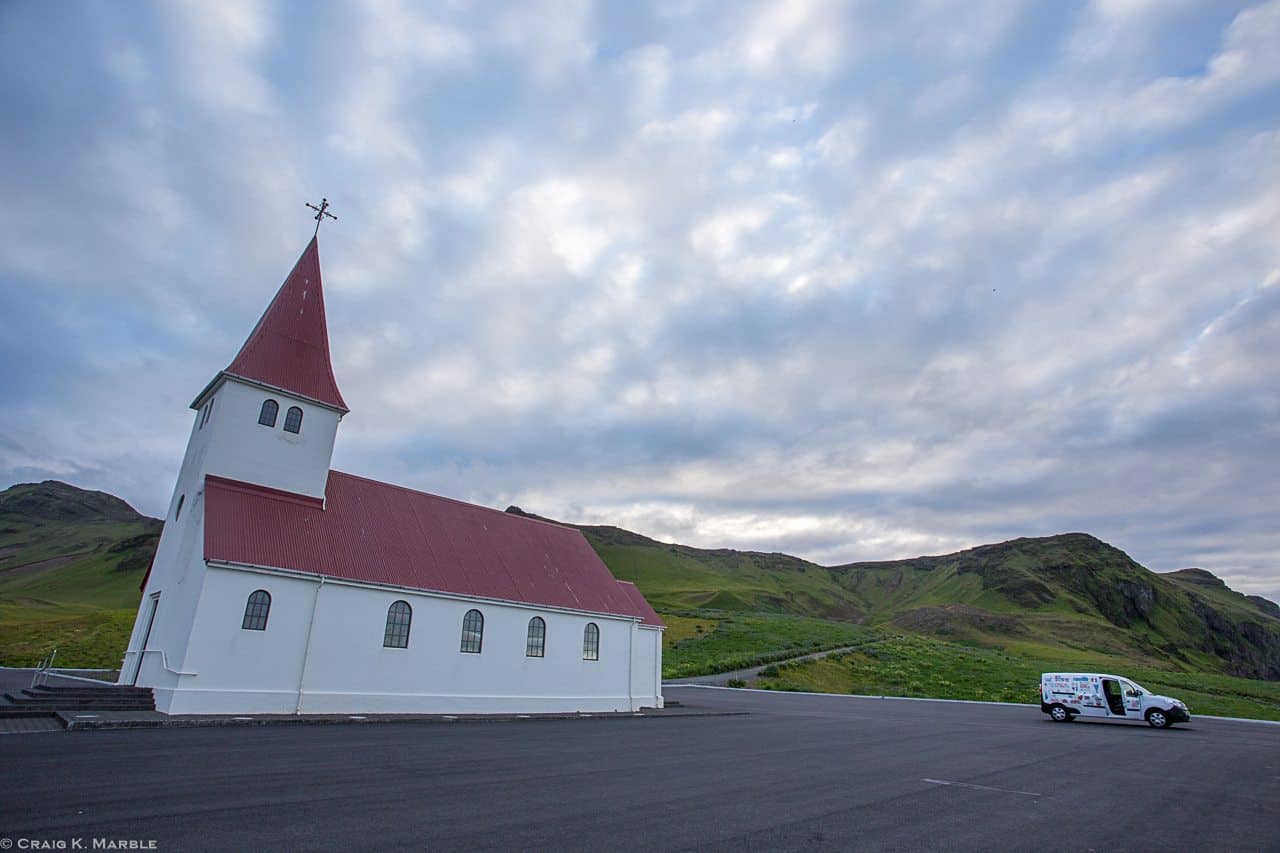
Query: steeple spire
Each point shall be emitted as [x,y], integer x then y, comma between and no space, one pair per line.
[289,348]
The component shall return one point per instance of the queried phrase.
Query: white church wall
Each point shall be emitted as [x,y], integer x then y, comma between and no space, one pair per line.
[174,585]
[646,672]
[186,510]
[238,670]
[243,449]
[348,670]
[230,443]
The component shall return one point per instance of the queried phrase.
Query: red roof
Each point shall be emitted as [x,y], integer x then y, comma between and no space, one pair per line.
[380,533]
[289,348]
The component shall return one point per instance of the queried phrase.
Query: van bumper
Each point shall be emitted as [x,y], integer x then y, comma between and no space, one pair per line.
[1177,715]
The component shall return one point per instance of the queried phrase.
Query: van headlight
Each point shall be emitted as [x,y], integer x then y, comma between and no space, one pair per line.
[1180,704]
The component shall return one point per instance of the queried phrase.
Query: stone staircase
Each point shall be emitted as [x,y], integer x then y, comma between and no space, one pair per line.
[46,701]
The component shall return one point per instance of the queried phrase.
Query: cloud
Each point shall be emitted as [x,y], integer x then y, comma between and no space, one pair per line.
[850,283]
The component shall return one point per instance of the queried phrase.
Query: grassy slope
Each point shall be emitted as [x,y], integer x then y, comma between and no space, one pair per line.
[915,666]
[737,641]
[70,565]
[1059,595]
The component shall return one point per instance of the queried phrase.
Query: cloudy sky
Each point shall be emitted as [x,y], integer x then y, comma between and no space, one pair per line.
[846,280]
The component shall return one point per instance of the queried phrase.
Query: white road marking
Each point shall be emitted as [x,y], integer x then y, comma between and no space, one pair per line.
[979,787]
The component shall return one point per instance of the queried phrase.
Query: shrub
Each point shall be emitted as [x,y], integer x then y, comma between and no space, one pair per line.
[770,671]
[736,682]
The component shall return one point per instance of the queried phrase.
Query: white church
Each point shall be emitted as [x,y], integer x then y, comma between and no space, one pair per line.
[283,587]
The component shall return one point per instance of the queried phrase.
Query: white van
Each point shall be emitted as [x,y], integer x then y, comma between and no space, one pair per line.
[1064,695]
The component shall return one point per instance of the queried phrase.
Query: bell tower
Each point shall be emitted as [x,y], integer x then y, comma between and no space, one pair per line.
[269,419]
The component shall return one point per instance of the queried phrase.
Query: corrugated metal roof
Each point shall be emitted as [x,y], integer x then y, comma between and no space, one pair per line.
[289,348]
[640,604]
[380,533]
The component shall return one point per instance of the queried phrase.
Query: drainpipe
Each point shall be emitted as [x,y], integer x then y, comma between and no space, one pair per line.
[306,652]
[631,633]
[657,667]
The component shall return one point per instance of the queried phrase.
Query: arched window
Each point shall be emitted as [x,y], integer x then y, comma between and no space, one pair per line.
[293,419]
[256,610]
[177,512]
[536,645]
[399,614]
[267,417]
[472,631]
[591,642]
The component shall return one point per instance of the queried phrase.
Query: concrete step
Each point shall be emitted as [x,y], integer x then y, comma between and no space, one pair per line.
[60,690]
[78,706]
[37,693]
[80,700]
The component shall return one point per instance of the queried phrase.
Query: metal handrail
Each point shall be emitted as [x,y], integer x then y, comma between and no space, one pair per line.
[41,675]
[164,660]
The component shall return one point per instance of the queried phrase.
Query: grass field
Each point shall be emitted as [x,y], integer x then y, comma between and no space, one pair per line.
[72,586]
[907,665]
[85,640]
[731,641]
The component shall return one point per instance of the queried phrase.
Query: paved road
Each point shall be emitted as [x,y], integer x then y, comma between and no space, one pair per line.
[816,772]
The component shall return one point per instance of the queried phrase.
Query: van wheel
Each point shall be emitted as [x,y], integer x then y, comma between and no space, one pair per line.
[1158,719]
[1059,714]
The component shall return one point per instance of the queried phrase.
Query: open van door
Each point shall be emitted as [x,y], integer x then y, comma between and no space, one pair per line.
[1114,694]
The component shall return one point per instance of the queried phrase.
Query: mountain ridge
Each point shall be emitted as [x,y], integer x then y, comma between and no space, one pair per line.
[1070,592]
[77,555]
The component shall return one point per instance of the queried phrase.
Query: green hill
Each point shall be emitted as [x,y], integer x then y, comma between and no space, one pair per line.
[71,562]
[1070,594]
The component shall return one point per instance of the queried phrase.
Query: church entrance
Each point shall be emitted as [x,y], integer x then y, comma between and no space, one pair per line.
[146,635]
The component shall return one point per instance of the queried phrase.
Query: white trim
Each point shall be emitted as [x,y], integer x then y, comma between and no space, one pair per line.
[454,596]
[224,375]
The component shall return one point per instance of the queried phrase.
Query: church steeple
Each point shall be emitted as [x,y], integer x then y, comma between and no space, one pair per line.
[289,348]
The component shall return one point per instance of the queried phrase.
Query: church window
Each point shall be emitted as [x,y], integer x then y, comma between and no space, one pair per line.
[206,412]
[472,631]
[267,417]
[396,636]
[177,512]
[256,610]
[293,420]
[591,642]
[536,645]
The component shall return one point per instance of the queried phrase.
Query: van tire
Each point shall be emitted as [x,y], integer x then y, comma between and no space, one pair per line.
[1059,714]
[1158,719]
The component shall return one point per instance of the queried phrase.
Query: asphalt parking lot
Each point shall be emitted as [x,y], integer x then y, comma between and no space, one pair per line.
[796,772]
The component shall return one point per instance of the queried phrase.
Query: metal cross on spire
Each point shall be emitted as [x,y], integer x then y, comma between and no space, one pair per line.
[321,212]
